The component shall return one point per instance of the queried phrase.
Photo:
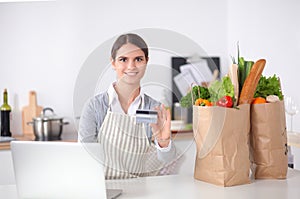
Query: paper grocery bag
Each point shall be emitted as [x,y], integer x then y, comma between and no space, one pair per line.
[222,140]
[268,140]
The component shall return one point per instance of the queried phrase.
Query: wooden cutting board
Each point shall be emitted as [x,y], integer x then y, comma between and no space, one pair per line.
[29,112]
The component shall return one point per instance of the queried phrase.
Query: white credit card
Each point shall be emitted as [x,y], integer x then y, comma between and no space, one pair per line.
[146,116]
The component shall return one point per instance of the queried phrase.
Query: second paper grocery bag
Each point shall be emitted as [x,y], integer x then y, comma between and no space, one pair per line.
[269,140]
[222,140]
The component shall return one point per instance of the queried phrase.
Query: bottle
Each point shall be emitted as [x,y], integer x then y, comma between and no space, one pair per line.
[5,116]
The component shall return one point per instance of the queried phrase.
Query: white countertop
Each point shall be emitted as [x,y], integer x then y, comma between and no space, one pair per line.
[185,186]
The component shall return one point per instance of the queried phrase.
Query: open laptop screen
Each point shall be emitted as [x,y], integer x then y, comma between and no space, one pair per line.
[58,170]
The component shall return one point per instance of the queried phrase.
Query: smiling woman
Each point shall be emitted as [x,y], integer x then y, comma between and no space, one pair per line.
[130,65]
[109,117]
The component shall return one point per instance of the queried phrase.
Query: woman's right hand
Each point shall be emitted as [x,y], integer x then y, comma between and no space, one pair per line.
[161,130]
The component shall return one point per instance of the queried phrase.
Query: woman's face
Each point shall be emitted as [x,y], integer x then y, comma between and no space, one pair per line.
[130,64]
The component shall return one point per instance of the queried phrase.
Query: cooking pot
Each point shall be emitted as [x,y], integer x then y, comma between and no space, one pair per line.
[48,127]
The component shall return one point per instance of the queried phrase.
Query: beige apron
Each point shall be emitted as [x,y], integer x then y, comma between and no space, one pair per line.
[128,153]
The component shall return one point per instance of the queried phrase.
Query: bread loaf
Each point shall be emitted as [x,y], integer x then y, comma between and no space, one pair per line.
[250,84]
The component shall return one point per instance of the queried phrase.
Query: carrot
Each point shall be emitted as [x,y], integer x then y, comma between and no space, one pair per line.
[251,82]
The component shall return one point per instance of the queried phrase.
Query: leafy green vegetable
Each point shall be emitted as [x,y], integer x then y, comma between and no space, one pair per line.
[220,89]
[198,92]
[268,86]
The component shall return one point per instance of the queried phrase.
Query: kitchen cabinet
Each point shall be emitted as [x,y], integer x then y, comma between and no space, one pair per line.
[6,168]
[6,165]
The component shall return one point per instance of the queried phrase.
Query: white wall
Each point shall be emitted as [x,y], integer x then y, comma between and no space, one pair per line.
[44,44]
[269,29]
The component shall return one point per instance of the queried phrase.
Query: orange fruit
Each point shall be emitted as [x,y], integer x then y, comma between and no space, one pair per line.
[259,100]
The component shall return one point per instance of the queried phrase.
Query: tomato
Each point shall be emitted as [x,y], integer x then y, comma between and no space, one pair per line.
[225,101]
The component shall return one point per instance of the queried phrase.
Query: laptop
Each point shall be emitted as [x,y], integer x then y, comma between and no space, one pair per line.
[59,170]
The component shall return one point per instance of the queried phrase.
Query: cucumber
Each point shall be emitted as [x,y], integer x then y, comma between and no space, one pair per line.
[241,74]
[248,67]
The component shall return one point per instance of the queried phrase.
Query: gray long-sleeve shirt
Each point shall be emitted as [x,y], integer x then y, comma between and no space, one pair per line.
[93,115]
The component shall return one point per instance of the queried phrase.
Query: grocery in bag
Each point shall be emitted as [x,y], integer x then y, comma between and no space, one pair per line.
[221,135]
[221,126]
[268,131]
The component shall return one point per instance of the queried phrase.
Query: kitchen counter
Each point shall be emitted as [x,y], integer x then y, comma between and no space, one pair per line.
[72,137]
[185,186]
[293,138]
[6,145]
[66,137]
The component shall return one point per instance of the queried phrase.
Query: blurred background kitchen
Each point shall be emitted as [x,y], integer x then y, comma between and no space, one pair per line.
[43,44]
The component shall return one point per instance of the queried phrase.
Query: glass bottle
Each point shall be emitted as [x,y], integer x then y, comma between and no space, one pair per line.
[5,116]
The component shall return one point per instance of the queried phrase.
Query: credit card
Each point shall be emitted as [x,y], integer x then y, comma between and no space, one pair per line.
[146,116]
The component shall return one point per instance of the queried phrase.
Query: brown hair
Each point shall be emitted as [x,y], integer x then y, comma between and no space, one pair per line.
[129,38]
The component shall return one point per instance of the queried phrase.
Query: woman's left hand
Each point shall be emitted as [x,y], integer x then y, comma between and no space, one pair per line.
[162,129]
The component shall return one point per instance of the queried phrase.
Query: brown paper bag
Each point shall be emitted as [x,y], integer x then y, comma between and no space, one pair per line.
[268,140]
[222,140]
